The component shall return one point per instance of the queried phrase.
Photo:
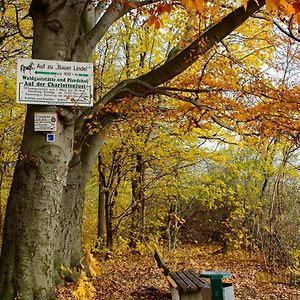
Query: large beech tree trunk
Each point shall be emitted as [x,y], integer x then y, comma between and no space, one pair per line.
[32,217]
[36,213]
[68,247]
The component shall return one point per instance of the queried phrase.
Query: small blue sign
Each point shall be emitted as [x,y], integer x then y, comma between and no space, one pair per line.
[50,137]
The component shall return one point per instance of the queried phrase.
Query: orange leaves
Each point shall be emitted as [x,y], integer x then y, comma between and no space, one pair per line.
[292,9]
[245,3]
[153,21]
[296,6]
[276,4]
[272,4]
[156,22]
[163,7]
[200,5]
[297,18]
[287,7]
[197,5]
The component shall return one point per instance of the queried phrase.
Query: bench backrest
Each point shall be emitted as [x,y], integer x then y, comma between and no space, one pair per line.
[161,264]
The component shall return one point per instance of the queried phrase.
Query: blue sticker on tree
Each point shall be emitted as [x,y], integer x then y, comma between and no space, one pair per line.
[50,137]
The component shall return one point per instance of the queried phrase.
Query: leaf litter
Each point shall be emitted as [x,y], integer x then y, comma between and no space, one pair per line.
[135,277]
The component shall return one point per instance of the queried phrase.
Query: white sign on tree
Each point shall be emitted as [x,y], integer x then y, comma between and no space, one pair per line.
[50,82]
[45,121]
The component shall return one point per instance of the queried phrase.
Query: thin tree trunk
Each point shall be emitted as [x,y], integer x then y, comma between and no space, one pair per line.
[173,226]
[142,201]
[101,215]
[109,217]
[1,213]
[101,201]
[134,215]
[138,204]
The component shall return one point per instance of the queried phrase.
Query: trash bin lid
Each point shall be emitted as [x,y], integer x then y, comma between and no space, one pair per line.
[219,274]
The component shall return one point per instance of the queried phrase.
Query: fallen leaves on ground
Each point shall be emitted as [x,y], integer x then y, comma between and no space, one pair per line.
[133,277]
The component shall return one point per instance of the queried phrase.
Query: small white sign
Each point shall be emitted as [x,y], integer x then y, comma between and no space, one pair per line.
[45,121]
[50,82]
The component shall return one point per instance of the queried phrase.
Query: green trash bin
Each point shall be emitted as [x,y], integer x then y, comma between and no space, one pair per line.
[217,290]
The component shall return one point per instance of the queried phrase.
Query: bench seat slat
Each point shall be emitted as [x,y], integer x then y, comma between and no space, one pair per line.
[190,285]
[182,285]
[194,278]
[185,281]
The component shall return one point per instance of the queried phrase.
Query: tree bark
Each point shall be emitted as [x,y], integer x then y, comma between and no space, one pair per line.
[101,201]
[32,222]
[138,203]
[34,208]
[109,206]
[69,250]
[1,213]
[68,247]
[173,225]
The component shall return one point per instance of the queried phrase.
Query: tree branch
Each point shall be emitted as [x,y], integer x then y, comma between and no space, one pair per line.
[201,106]
[186,57]
[288,32]
[146,83]
[114,11]
[19,25]
[187,90]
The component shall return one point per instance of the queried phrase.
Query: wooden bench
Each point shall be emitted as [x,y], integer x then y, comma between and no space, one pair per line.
[184,285]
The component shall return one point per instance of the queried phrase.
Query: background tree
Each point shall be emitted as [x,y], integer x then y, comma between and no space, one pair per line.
[10,131]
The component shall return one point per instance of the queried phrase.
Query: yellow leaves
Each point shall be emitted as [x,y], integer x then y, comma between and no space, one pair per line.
[85,289]
[93,264]
[245,3]
[295,269]
[196,5]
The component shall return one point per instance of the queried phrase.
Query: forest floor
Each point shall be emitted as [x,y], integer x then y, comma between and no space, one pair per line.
[132,277]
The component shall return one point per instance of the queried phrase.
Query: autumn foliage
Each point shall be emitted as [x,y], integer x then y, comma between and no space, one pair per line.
[204,166]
